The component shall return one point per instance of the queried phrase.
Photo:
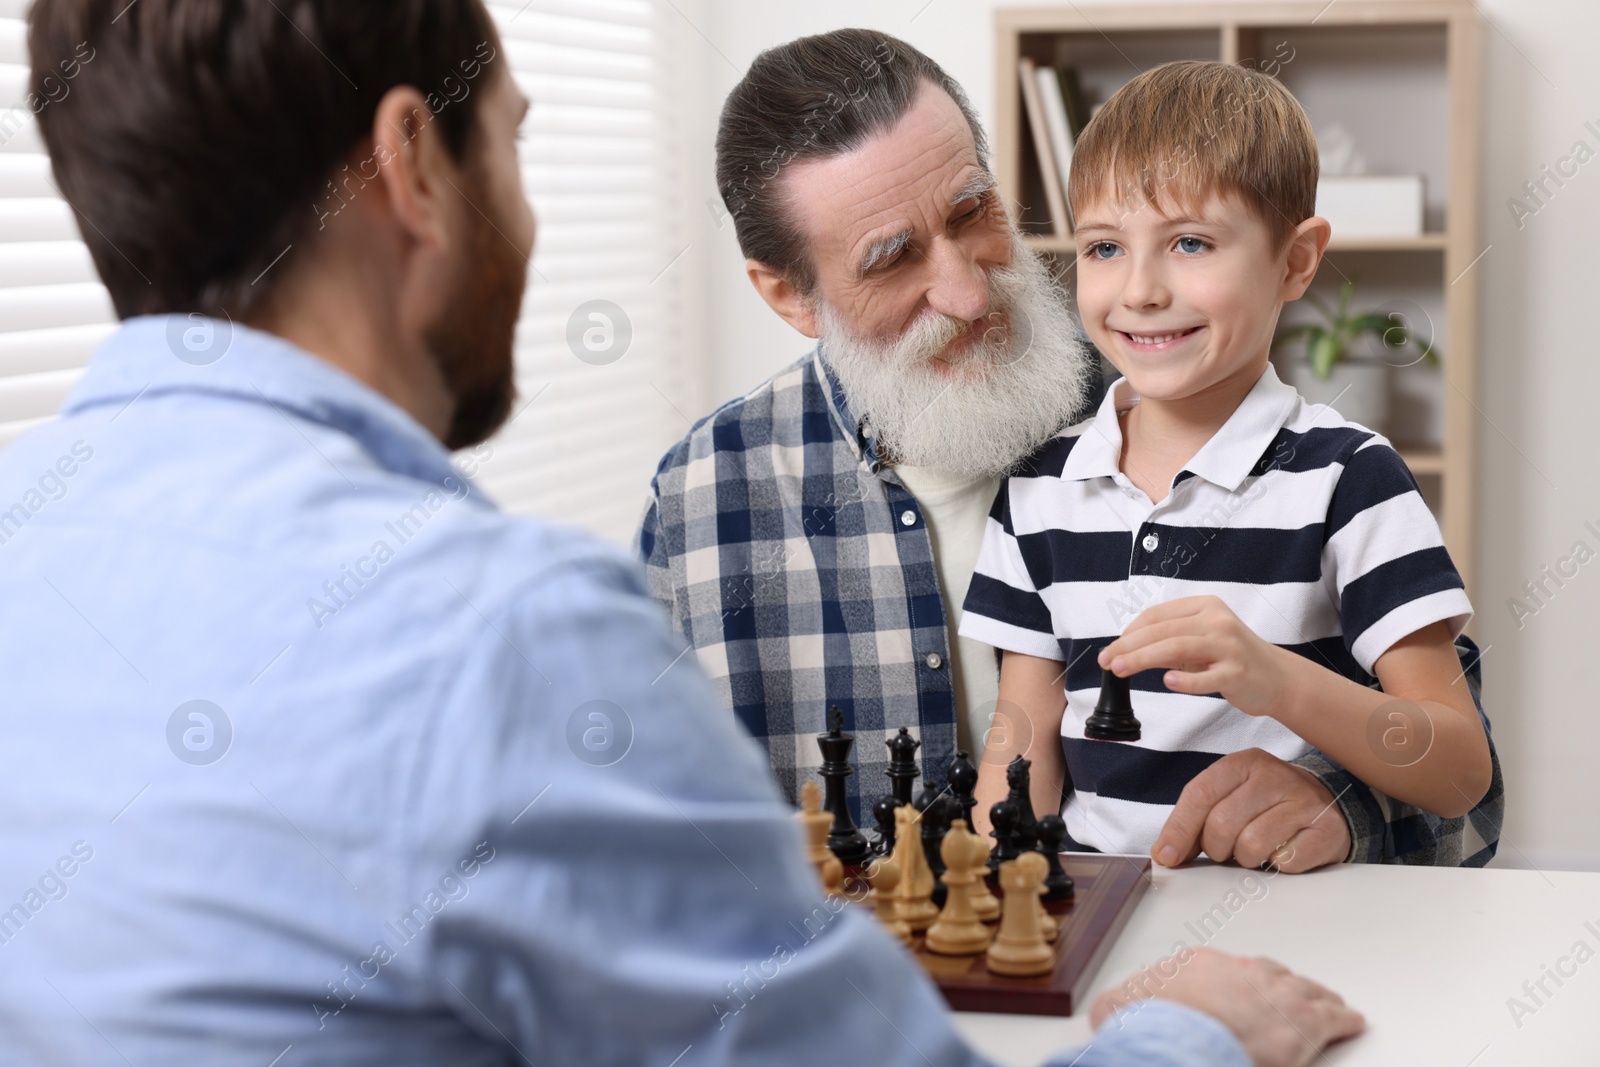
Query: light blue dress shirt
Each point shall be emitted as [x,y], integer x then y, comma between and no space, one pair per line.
[312,756]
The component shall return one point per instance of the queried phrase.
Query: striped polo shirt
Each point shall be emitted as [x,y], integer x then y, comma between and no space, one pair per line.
[1310,528]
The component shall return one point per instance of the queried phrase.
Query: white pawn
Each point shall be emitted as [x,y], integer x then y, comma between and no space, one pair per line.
[959,931]
[1020,949]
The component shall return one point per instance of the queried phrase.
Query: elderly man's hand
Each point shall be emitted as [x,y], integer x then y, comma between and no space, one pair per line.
[1281,1019]
[1253,807]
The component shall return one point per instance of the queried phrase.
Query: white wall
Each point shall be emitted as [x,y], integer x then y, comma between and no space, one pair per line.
[1538,393]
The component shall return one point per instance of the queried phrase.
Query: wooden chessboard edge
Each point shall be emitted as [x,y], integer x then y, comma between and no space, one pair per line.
[1044,996]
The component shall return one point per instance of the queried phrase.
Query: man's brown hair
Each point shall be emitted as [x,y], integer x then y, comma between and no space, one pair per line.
[198,138]
[1182,131]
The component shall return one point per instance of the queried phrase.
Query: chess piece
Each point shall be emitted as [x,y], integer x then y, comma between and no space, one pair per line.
[1018,776]
[984,903]
[903,764]
[1058,883]
[883,815]
[847,842]
[913,897]
[936,820]
[929,832]
[1003,817]
[884,874]
[815,822]
[926,797]
[1113,716]
[1020,949]
[959,931]
[1047,923]
[963,779]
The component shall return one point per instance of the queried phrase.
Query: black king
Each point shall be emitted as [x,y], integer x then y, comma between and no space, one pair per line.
[844,840]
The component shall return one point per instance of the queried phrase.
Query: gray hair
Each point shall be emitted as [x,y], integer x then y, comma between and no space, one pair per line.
[813,98]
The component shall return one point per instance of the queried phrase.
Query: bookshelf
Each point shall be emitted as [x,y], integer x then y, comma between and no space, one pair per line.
[1404,77]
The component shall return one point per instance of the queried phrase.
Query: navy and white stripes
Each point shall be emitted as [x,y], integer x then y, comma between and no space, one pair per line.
[1311,529]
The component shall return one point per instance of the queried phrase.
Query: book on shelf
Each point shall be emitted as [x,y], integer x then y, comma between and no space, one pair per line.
[1078,111]
[1057,112]
[1061,136]
[1038,123]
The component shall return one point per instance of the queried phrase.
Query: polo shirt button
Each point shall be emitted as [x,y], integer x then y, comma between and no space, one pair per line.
[1151,542]
[934,661]
[908,518]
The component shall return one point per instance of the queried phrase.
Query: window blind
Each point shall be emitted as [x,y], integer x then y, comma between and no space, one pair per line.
[601,160]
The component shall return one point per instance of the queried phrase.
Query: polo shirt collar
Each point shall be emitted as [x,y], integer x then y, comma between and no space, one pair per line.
[851,427]
[1225,460]
[154,355]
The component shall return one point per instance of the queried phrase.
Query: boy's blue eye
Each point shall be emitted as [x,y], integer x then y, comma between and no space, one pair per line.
[1196,240]
[1094,249]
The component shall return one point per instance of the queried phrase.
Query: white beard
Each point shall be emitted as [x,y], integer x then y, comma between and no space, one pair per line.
[1011,390]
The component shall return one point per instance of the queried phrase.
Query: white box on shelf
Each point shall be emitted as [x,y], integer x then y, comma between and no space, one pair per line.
[1371,205]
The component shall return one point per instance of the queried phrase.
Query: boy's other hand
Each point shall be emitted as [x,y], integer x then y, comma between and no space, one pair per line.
[1282,1019]
[1207,650]
[1255,808]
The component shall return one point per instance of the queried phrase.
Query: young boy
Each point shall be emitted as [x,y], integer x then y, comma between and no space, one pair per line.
[1249,561]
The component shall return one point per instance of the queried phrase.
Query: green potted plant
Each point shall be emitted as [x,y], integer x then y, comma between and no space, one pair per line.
[1336,370]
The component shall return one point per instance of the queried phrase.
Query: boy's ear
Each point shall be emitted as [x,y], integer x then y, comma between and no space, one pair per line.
[783,297]
[1306,246]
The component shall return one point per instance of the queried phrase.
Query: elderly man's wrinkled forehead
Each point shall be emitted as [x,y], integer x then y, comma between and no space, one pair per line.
[901,182]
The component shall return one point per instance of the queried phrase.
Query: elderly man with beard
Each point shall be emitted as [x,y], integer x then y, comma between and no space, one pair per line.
[813,541]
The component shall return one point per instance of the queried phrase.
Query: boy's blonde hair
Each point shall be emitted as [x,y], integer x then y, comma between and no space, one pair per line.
[1182,131]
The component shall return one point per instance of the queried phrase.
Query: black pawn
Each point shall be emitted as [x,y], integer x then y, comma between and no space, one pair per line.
[963,779]
[883,814]
[1113,716]
[936,820]
[844,840]
[1019,776]
[903,764]
[1058,883]
[1003,816]
[926,797]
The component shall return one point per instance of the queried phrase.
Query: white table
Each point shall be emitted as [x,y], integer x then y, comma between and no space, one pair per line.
[1430,956]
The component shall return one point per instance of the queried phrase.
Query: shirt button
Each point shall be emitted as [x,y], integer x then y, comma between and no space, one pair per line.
[934,661]
[908,518]
[1151,542]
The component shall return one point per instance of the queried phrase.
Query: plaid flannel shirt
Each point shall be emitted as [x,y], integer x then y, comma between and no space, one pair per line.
[798,567]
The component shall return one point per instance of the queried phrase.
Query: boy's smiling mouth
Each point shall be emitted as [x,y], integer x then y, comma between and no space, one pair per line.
[1156,342]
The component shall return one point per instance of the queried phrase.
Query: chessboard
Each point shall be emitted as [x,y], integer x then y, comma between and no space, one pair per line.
[1021,928]
[1108,889]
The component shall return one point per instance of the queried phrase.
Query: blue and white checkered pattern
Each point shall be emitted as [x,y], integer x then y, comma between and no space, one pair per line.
[800,571]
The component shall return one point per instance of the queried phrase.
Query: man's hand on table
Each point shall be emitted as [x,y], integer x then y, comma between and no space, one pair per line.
[1281,1019]
[1253,807]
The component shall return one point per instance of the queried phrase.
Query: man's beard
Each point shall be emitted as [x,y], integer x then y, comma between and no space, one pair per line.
[474,342]
[1007,392]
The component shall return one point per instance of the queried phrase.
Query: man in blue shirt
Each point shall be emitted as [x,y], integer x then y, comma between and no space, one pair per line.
[313,756]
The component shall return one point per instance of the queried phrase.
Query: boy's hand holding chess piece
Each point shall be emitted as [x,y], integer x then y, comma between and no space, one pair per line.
[1205,648]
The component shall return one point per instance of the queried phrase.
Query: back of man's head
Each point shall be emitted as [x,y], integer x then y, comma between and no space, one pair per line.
[196,140]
